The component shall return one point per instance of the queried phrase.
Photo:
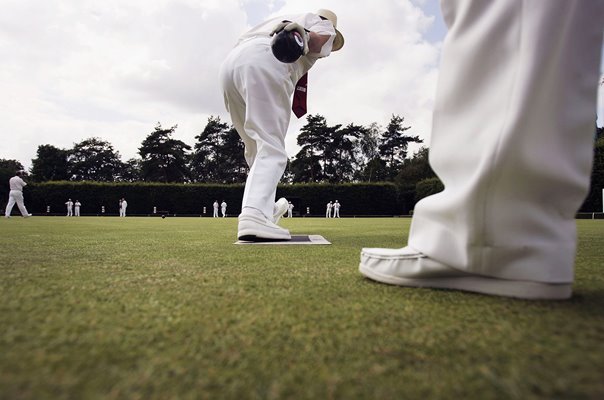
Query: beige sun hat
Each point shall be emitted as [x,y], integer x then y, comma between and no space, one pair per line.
[338,42]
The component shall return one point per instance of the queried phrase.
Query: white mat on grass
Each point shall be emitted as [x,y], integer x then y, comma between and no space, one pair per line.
[296,239]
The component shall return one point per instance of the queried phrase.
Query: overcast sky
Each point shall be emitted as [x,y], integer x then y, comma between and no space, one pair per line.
[75,69]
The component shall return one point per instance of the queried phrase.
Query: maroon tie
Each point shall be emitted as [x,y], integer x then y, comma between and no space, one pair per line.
[299,103]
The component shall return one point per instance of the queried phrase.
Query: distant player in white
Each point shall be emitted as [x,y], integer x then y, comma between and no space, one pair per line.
[223,205]
[328,211]
[15,196]
[69,205]
[123,206]
[77,208]
[216,205]
[336,209]
[290,209]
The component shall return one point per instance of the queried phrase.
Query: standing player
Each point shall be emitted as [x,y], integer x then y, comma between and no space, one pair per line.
[328,210]
[257,89]
[223,207]
[69,205]
[123,206]
[15,196]
[77,205]
[216,205]
[336,209]
[290,210]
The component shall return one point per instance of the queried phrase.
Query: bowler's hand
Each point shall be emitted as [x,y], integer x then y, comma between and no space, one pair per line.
[294,26]
[279,27]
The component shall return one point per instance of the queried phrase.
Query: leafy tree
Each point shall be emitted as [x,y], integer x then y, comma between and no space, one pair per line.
[415,169]
[8,169]
[372,168]
[131,171]
[202,161]
[164,159]
[50,164]
[375,170]
[11,166]
[393,148]
[305,167]
[218,154]
[369,142]
[313,139]
[230,165]
[343,155]
[94,159]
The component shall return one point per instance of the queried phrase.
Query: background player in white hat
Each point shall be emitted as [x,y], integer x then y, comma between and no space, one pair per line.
[15,196]
[505,222]
[257,91]
[336,209]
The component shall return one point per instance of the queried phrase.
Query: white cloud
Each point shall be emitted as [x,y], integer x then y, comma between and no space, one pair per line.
[112,69]
[385,67]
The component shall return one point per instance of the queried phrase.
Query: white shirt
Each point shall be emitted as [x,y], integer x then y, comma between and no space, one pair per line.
[16,183]
[309,21]
[124,204]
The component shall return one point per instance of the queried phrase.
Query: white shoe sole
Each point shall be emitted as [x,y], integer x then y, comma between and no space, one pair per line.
[253,230]
[475,283]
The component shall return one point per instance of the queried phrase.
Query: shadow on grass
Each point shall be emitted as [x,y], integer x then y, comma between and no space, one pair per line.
[587,302]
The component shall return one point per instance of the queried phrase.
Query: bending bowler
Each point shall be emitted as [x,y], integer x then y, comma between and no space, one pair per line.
[257,89]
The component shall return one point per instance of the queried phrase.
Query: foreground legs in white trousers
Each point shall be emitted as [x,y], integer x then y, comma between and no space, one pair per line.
[512,142]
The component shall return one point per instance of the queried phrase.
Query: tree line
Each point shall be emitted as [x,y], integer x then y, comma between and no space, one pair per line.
[329,154]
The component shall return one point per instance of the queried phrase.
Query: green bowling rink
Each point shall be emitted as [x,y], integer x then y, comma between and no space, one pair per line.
[151,308]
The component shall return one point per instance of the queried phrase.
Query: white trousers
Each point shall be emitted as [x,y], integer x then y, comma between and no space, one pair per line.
[15,197]
[77,211]
[69,211]
[257,90]
[512,137]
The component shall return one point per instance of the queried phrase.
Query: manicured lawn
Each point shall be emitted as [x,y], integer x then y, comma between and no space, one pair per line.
[145,308]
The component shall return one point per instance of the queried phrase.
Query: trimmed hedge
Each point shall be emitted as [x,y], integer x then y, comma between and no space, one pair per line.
[428,187]
[190,199]
[363,199]
[356,199]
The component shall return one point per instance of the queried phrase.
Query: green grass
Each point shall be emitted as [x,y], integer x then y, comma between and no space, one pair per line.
[145,308]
